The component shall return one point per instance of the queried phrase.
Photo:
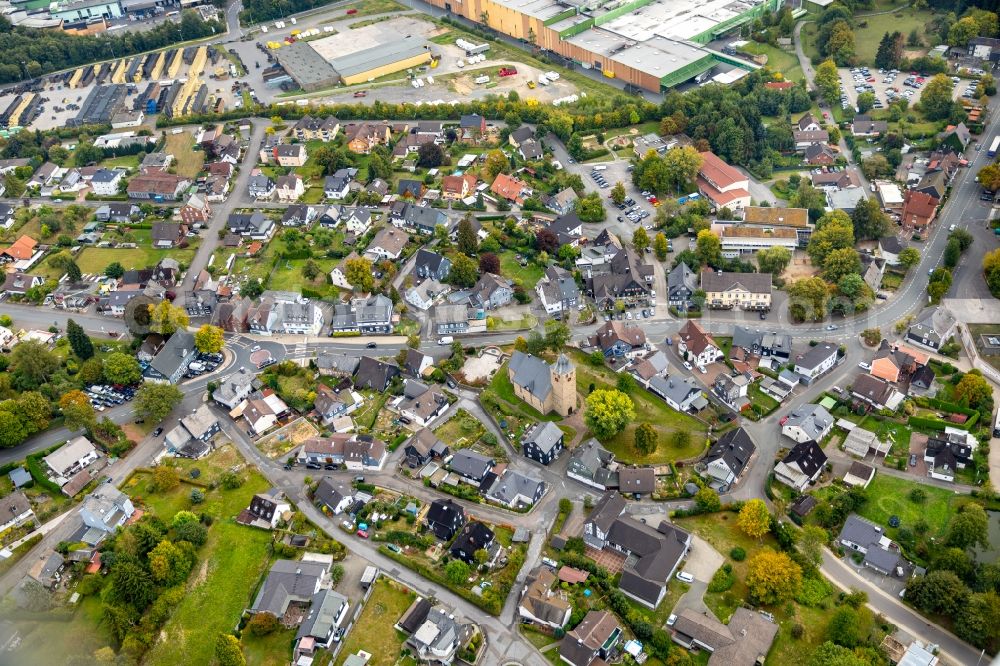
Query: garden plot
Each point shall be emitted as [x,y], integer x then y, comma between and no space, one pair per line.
[284,440]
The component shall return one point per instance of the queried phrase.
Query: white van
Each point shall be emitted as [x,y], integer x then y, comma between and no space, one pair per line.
[685,576]
[446,340]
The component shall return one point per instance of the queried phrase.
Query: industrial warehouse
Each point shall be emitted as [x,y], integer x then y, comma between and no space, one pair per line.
[651,44]
[368,55]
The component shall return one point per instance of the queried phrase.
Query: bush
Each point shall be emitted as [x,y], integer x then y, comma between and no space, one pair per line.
[738,554]
[262,624]
[723,579]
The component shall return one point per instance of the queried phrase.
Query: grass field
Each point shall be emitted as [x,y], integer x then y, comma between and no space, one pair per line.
[226,573]
[778,60]
[373,632]
[187,161]
[527,276]
[96,259]
[271,650]
[900,434]
[461,430]
[648,408]
[889,496]
[55,641]
[868,30]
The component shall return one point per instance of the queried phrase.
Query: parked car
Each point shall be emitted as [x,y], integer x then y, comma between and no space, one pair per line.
[913,460]
[157,432]
[685,576]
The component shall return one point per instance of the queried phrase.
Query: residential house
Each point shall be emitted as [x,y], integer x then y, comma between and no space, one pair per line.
[805,138]
[472,127]
[593,641]
[801,466]
[722,184]
[235,388]
[291,585]
[18,283]
[762,344]
[371,316]
[819,154]
[337,365]
[863,125]
[922,379]
[865,537]
[877,393]
[195,211]
[410,144]
[531,150]
[254,226]
[445,518]
[117,212]
[695,344]
[428,264]
[653,364]
[568,229]
[516,491]
[21,250]
[919,209]
[332,496]
[260,187]
[331,404]
[511,188]
[337,186]
[167,234]
[298,215]
[745,641]
[327,612]
[624,278]
[471,466]
[816,361]
[945,453]
[421,219]
[420,403]
[616,339]
[387,244]
[872,270]
[840,179]
[46,569]
[543,442]
[984,48]
[456,188]
[541,604]
[291,154]
[889,248]
[356,452]
[474,536]
[104,511]
[652,554]
[232,316]
[636,481]
[438,637]
[362,137]
[105,182]
[157,185]
[451,319]
[683,394]
[592,464]
[732,390]
[44,176]
[266,510]
[357,221]
[894,363]
[290,187]
[728,458]
[417,364]
[932,329]
[71,457]
[562,202]
[15,509]
[955,137]
[263,409]
[547,388]
[520,135]
[807,123]
[374,374]
[423,446]
[682,282]
[424,295]
[807,423]
[173,360]
[316,129]
[410,189]
[493,291]
[845,200]
[725,290]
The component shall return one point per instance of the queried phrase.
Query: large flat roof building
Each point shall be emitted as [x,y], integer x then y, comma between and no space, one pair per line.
[652,44]
[380,60]
[309,69]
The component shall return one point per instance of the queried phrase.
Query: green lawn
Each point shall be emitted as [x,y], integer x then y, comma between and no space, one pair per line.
[271,650]
[48,639]
[868,30]
[650,409]
[526,276]
[889,496]
[373,632]
[225,576]
[536,638]
[96,259]
[900,434]
[187,161]
[461,430]
[778,60]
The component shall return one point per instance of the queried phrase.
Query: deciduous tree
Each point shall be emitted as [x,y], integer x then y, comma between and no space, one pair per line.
[660,246]
[828,81]
[359,274]
[120,368]
[489,263]
[772,577]
[707,500]
[970,526]
[754,518]
[32,363]
[680,166]
[909,257]
[155,401]
[839,263]
[208,339]
[645,439]
[228,652]
[640,239]
[457,572]
[165,318]
[464,272]
[936,100]
[709,248]
[811,543]
[608,412]
[76,409]
[590,208]
[808,299]
[774,260]
[466,236]
[618,193]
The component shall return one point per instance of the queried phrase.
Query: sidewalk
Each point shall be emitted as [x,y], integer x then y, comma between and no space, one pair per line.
[43,530]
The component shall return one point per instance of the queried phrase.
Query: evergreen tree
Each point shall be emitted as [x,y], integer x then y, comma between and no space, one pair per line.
[73,272]
[79,340]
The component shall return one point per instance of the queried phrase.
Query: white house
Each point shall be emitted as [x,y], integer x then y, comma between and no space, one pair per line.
[807,423]
[15,509]
[106,509]
[71,457]
[816,361]
[106,181]
[696,345]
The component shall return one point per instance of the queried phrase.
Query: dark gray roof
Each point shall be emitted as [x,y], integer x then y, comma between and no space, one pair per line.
[681,277]
[808,455]
[470,464]
[532,374]
[816,355]
[330,493]
[288,581]
[374,374]
[657,552]
[175,352]
[607,510]
[510,484]
[331,362]
[814,420]
[860,531]
[323,611]
[735,448]
[544,435]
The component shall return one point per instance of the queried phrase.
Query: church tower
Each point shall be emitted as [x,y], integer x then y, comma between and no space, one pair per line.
[563,386]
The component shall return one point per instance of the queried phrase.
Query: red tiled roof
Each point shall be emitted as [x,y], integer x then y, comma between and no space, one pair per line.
[717,172]
[22,248]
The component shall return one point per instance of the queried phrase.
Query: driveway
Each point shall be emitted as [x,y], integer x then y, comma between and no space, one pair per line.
[702,563]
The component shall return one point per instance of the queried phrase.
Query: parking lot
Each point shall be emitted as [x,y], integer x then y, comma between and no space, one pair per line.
[888,85]
[203,363]
[104,397]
